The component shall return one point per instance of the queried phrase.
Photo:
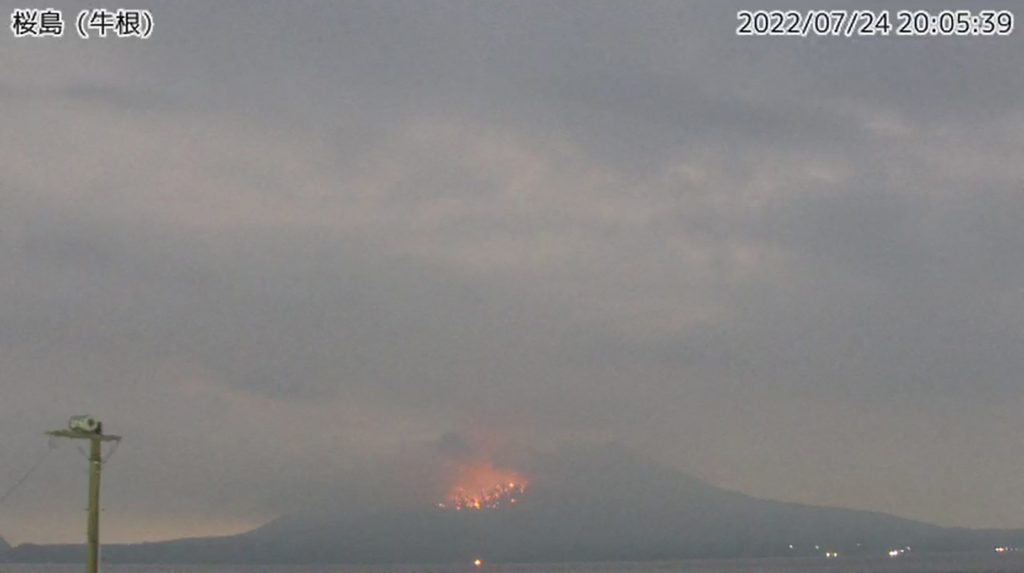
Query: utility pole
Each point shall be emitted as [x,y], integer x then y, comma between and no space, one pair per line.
[89,428]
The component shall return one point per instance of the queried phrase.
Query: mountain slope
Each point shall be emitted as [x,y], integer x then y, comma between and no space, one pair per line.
[593,504]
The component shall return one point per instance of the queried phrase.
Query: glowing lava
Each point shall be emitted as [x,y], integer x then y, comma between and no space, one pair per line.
[482,486]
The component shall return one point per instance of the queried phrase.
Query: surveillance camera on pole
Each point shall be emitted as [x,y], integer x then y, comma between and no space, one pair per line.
[89,428]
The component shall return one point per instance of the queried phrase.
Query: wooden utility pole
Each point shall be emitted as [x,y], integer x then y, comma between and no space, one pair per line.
[89,428]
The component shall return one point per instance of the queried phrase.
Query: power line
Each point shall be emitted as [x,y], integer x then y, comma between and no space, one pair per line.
[25,476]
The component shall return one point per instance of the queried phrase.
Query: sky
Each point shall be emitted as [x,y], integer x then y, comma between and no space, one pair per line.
[286,248]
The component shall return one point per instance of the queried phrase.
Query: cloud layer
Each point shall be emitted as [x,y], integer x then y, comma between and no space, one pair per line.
[275,245]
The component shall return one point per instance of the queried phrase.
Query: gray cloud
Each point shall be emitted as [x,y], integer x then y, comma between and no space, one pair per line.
[276,245]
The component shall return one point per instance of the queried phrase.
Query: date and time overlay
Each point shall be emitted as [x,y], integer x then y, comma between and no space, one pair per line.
[121,23]
[856,23]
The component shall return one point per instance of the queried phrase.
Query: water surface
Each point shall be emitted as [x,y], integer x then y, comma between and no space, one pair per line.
[960,563]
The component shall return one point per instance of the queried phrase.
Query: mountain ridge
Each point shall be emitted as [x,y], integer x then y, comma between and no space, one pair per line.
[596,504]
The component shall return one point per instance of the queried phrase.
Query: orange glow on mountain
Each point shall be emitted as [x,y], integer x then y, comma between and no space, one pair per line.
[481,486]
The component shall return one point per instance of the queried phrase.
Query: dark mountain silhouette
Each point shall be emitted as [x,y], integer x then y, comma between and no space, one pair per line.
[592,504]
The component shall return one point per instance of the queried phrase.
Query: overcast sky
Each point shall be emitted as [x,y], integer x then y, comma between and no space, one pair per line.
[277,245]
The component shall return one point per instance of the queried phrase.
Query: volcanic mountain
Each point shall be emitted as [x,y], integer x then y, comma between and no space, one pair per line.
[603,503]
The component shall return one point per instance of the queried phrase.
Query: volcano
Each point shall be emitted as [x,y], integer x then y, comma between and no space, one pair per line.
[482,486]
[590,504]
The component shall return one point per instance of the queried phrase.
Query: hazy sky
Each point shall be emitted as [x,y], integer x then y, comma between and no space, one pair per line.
[278,245]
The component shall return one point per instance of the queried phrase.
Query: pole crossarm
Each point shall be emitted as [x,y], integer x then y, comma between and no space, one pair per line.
[77,435]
